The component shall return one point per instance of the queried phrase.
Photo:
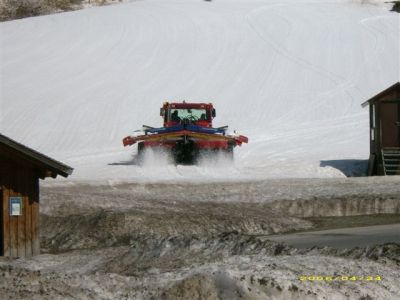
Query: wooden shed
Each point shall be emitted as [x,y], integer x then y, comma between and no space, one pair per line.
[384,111]
[20,170]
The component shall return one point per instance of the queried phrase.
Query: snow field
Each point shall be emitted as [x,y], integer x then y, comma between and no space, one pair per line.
[290,75]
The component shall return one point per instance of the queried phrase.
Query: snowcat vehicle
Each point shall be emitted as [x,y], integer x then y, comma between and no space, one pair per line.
[187,133]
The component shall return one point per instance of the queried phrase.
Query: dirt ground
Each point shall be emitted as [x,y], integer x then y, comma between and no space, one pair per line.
[205,241]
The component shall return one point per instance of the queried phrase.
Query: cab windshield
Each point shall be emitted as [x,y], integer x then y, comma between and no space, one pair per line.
[192,114]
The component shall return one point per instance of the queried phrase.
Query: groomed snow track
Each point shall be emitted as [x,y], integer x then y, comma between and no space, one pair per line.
[290,75]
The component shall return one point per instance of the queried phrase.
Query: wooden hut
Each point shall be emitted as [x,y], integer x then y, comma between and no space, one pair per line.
[20,170]
[384,111]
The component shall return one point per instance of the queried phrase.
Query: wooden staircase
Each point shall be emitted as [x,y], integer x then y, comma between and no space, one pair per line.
[391,161]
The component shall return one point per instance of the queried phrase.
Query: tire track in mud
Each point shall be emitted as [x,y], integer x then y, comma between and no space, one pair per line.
[110,229]
[84,216]
[227,266]
[185,241]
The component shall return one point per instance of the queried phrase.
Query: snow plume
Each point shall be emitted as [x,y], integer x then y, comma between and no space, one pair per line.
[156,157]
[216,160]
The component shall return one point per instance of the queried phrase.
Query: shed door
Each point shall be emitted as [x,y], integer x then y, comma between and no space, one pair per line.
[390,124]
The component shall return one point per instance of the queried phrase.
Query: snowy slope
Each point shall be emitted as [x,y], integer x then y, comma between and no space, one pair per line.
[289,74]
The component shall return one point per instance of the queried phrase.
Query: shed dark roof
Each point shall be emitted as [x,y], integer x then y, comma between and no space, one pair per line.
[47,166]
[381,94]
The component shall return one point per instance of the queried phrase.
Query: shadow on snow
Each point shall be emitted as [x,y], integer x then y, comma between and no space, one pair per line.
[349,167]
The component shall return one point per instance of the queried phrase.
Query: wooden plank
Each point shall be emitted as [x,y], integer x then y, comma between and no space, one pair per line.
[28,222]
[14,220]
[35,219]
[14,233]
[7,177]
[1,217]
[2,189]
[23,179]
[6,224]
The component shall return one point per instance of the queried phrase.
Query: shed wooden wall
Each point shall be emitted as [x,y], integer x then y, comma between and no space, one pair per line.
[382,114]
[20,234]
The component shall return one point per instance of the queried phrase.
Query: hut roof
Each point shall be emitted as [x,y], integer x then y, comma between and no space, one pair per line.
[46,166]
[381,94]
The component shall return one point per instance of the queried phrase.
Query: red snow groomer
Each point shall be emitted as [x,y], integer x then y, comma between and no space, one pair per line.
[187,133]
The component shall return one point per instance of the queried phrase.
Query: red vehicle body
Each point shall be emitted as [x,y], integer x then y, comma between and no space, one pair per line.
[187,131]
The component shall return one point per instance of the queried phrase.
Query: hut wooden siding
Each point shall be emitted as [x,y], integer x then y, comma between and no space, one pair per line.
[20,233]
[384,110]
[20,170]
